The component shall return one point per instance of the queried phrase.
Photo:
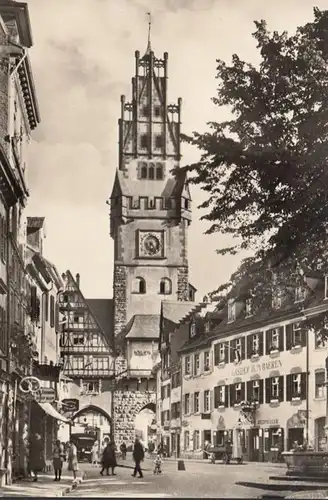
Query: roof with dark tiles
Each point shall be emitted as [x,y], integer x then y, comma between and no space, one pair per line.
[103,310]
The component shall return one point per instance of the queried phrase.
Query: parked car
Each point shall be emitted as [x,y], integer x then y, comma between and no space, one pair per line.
[84,444]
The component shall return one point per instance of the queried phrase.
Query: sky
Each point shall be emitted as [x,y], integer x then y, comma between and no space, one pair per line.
[83,60]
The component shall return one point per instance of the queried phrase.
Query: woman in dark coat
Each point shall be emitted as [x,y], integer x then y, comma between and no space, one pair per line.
[37,461]
[109,459]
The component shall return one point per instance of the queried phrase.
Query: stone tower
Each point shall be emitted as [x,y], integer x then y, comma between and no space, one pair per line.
[150,202]
[149,219]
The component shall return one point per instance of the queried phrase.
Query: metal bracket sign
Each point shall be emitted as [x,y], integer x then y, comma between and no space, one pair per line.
[46,395]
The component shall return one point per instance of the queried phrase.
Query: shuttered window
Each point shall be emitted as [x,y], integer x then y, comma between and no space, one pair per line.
[52,311]
[296,386]
[255,390]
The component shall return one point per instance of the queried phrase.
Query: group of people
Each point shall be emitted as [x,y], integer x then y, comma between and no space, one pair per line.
[61,453]
[68,451]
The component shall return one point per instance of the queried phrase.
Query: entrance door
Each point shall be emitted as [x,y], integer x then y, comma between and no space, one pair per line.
[254,445]
[295,434]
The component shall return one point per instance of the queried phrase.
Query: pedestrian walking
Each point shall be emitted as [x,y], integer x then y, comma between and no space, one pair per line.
[123,450]
[138,456]
[109,458]
[37,461]
[95,453]
[228,452]
[158,465]
[72,459]
[58,459]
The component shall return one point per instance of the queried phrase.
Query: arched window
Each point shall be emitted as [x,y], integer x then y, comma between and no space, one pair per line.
[144,172]
[140,285]
[151,172]
[165,286]
[159,173]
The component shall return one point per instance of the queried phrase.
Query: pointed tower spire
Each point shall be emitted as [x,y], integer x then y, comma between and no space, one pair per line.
[148,50]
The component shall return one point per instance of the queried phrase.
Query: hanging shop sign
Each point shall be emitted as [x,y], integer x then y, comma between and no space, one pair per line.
[257,368]
[70,405]
[46,395]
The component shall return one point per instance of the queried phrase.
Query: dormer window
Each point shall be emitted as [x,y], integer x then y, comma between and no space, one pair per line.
[249,307]
[186,204]
[299,293]
[231,311]
[276,298]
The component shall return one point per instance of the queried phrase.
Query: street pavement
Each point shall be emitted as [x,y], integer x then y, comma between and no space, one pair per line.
[198,480]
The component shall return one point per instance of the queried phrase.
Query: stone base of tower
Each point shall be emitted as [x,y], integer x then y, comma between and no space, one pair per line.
[128,404]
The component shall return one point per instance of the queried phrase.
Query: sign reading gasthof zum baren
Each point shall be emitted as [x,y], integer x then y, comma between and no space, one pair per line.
[256,368]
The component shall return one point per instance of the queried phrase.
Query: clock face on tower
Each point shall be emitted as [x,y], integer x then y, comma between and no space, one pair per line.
[151,244]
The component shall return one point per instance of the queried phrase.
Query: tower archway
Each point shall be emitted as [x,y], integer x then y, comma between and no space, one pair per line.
[145,423]
[92,420]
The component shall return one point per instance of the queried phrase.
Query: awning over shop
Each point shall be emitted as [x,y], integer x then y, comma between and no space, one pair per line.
[50,410]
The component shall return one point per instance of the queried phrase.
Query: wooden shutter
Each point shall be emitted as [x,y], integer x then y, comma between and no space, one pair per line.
[261,341]
[232,394]
[249,346]
[243,348]
[212,400]
[216,354]
[231,351]
[243,391]
[281,388]
[288,387]
[33,303]
[289,337]
[57,317]
[267,341]
[267,390]
[46,305]
[216,396]
[303,385]
[281,339]
[191,403]
[249,386]
[304,336]
[261,392]
[52,311]
[226,396]
[162,393]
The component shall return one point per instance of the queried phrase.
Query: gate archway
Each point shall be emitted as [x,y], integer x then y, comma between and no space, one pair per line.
[145,423]
[92,420]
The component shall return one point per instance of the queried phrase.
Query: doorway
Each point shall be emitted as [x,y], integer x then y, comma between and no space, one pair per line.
[254,445]
[320,434]
[295,434]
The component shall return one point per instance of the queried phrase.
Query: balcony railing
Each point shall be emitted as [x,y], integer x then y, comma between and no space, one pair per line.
[80,348]
[88,372]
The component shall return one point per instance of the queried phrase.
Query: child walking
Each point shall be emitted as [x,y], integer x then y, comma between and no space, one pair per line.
[158,465]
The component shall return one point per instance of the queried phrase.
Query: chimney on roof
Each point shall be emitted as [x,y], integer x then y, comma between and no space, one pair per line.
[77,279]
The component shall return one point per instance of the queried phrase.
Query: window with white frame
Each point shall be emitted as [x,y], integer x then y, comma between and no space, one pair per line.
[296,385]
[221,395]
[196,440]
[255,343]
[207,401]
[275,388]
[256,390]
[237,393]
[101,363]
[237,347]
[320,384]
[222,349]
[91,387]
[187,404]
[186,440]
[206,361]
[196,364]
[297,334]
[187,365]
[78,339]
[231,310]
[78,363]
[249,307]
[275,333]
[196,402]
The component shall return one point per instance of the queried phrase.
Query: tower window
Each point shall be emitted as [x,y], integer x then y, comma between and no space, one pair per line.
[139,285]
[165,286]
[151,172]
[186,204]
[144,172]
[144,141]
[159,173]
[158,141]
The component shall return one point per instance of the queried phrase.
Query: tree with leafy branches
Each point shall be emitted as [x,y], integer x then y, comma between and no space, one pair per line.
[265,170]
